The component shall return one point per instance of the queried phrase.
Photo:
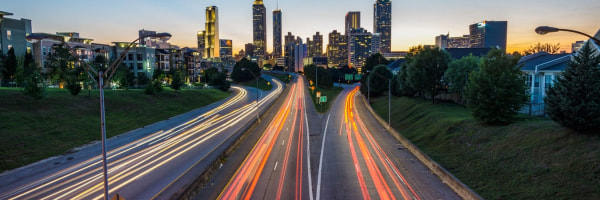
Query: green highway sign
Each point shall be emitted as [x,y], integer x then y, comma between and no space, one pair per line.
[323,99]
[349,77]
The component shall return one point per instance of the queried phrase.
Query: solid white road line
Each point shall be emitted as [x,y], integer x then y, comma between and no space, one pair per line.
[321,159]
[308,152]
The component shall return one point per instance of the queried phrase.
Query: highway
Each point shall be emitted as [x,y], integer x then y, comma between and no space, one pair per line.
[360,160]
[343,154]
[144,167]
[277,167]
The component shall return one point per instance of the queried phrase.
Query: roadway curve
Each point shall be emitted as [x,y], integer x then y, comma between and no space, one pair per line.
[144,167]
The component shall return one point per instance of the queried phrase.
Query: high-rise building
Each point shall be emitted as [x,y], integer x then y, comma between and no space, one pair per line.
[315,48]
[299,55]
[383,23]
[459,42]
[488,34]
[289,48]
[337,49]
[359,47]
[259,28]
[249,50]
[277,34]
[201,43]
[376,43]
[211,36]
[352,21]
[226,50]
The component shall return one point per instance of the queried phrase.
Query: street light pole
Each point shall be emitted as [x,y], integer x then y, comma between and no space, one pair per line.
[100,74]
[389,97]
[542,30]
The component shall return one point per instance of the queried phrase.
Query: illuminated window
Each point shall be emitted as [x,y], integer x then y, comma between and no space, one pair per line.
[9,35]
[548,82]
[9,46]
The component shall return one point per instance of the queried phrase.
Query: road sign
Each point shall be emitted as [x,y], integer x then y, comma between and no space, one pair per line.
[318,94]
[349,77]
[323,99]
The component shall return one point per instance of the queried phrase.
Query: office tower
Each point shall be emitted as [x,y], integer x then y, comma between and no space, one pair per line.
[201,43]
[383,23]
[376,43]
[488,34]
[337,49]
[226,48]
[277,35]
[211,36]
[352,21]
[359,48]
[316,46]
[290,46]
[259,28]
[299,55]
[459,42]
[249,50]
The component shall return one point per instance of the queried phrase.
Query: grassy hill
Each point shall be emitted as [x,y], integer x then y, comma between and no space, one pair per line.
[31,131]
[534,158]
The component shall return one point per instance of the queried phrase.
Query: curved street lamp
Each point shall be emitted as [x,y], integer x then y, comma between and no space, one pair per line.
[542,30]
[93,74]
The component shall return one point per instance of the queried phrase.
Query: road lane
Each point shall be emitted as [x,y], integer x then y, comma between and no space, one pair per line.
[277,166]
[360,160]
[144,167]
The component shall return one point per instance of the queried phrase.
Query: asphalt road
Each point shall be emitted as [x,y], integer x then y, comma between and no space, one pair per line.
[359,159]
[347,155]
[277,167]
[144,162]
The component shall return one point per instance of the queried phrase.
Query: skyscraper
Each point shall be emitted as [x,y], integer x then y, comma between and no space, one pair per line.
[211,36]
[316,46]
[277,51]
[359,47]
[337,49]
[383,23]
[290,46]
[259,28]
[488,34]
[201,43]
[352,21]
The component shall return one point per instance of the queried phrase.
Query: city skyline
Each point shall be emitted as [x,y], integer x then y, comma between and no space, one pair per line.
[413,23]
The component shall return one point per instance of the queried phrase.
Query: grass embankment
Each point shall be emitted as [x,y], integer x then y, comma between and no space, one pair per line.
[262,84]
[330,93]
[31,131]
[531,159]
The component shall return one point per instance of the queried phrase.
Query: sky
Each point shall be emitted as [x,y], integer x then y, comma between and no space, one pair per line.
[414,22]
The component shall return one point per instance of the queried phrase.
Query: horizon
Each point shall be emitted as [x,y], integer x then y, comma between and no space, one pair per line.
[183,19]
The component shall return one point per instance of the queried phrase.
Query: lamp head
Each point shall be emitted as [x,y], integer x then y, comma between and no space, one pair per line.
[542,30]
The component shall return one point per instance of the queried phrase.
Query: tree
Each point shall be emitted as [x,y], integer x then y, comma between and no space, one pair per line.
[496,92]
[548,48]
[400,85]
[74,77]
[35,87]
[573,101]
[238,75]
[59,63]
[379,81]
[10,64]
[2,68]
[177,81]
[267,66]
[142,78]
[458,73]
[426,71]
[374,60]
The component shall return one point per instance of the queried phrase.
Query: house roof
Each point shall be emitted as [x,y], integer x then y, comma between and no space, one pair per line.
[458,53]
[162,51]
[543,61]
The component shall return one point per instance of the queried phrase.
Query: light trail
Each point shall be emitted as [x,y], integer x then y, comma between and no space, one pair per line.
[141,157]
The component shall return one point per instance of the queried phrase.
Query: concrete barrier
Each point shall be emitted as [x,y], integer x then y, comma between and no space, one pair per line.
[460,188]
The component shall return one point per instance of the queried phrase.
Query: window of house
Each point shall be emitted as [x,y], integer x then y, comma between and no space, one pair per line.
[130,56]
[548,82]
[139,57]
[44,50]
[9,35]
[10,47]
[140,66]
[537,81]
[529,80]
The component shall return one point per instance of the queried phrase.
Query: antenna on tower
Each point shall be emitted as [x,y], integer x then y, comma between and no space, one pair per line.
[277,3]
